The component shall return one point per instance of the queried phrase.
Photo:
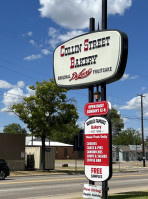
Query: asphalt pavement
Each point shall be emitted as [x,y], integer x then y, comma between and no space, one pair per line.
[119,168]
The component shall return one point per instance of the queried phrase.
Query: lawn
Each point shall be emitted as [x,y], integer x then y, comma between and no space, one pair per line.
[130,195]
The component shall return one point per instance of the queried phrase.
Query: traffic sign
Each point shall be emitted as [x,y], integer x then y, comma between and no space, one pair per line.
[96,108]
[97,149]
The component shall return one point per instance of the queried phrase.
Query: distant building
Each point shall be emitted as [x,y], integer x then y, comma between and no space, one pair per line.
[12,149]
[130,152]
[62,150]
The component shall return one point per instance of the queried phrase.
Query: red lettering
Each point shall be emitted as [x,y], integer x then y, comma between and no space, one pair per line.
[72,62]
[96,170]
[86,44]
[95,127]
[62,52]
[84,73]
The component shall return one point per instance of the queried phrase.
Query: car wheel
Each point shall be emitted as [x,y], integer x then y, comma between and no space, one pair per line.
[2,175]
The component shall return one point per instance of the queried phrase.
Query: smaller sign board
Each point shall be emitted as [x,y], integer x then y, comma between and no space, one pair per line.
[92,191]
[96,108]
[97,149]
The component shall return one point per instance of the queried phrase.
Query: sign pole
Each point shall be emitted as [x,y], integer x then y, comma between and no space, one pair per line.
[91,89]
[103,89]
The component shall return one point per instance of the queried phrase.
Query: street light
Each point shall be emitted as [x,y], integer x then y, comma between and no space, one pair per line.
[97,95]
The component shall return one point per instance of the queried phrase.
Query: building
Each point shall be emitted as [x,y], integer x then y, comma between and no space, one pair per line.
[12,149]
[130,152]
[54,150]
[62,150]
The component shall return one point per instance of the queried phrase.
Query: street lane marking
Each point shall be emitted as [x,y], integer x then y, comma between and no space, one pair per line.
[124,176]
[54,180]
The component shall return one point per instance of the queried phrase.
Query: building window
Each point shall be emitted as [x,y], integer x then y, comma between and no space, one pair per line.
[65,152]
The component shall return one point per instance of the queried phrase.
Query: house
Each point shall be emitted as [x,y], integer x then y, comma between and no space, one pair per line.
[12,149]
[53,150]
[62,150]
[130,152]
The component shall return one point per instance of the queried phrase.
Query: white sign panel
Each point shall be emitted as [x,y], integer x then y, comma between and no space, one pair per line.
[92,191]
[91,59]
[97,159]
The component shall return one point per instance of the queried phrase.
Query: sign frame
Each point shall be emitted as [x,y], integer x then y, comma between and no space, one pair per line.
[88,167]
[98,111]
[114,77]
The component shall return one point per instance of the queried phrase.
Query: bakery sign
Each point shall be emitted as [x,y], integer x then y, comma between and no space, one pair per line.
[91,59]
[97,149]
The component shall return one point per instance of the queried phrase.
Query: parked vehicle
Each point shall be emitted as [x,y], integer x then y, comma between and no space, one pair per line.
[4,169]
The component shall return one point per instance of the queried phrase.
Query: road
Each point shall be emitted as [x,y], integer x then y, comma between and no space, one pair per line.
[66,186]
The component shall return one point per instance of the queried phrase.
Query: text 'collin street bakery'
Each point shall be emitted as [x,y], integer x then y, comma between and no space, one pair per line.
[80,61]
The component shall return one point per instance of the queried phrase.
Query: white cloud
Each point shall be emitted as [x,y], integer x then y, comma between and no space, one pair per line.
[32,42]
[11,97]
[14,96]
[135,103]
[20,84]
[29,92]
[128,76]
[30,33]
[125,77]
[5,84]
[45,52]
[134,77]
[143,88]
[76,14]
[56,37]
[125,120]
[132,104]
[33,57]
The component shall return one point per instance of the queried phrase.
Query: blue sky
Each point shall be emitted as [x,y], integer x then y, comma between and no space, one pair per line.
[30,31]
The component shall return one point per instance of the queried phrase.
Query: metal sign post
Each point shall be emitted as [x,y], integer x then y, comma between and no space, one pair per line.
[87,61]
[103,89]
[91,89]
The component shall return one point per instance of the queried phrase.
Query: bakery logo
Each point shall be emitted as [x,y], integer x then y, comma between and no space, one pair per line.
[84,73]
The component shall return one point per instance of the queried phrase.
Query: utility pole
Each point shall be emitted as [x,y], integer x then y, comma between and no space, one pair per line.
[142,130]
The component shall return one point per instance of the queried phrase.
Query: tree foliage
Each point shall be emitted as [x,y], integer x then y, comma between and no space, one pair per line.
[128,137]
[116,121]
[47,113]
[14,128]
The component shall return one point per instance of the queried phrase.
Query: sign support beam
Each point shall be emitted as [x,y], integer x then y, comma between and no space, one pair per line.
[103,89]
[91,89]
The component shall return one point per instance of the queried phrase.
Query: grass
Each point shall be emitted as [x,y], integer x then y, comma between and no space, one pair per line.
[128,195]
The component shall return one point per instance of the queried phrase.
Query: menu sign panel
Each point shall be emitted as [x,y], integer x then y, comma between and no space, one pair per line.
[97,158]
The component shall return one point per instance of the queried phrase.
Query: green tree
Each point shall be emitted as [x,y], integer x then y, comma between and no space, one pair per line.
[14,128]
[47,112]
[116,121]
[128,137]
